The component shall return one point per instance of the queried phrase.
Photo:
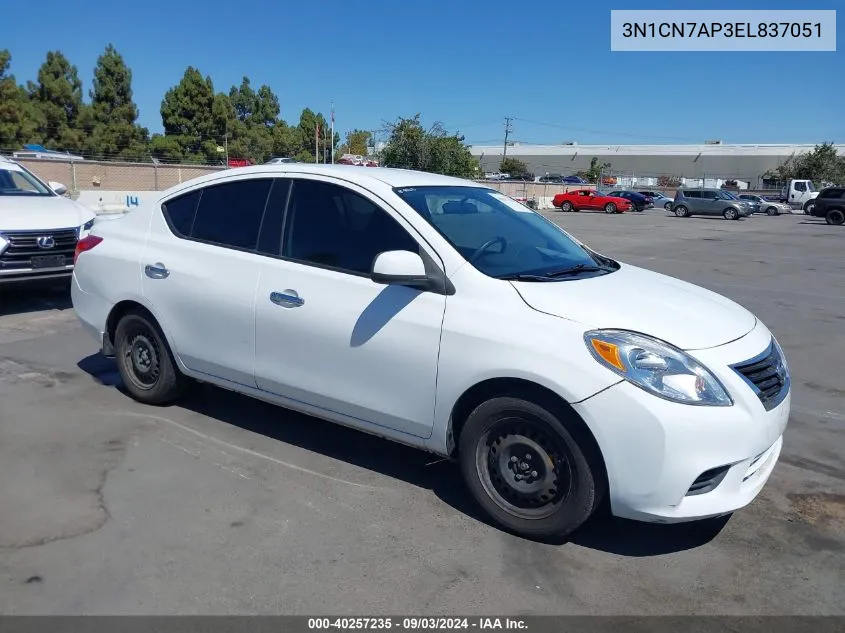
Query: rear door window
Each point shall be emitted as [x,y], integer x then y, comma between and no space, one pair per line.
[230,214]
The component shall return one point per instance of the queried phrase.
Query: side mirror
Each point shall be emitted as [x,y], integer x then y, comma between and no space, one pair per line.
[402,268]
[58,187]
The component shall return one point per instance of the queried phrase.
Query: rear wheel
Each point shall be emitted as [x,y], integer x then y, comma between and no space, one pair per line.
[681,211]
[731,214]
[809,206]
[772,211]
[144,360]
[526,469]
[835,217]
[610,208]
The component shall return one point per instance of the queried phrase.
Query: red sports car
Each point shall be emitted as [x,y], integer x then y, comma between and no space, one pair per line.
[588,199]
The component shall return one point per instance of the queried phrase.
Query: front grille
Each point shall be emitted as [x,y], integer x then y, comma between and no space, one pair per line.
[23,246]
[707,481]
[767,376]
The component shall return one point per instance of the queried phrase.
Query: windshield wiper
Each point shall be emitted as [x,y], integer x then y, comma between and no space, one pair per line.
[574,270]
[524,277]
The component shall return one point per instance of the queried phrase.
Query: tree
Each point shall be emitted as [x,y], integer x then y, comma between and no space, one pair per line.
[357,142]
[18,118]
[410,146]
[595,172]
[114,113]
[188,115]
[513,166]
[57,97]
[821,164]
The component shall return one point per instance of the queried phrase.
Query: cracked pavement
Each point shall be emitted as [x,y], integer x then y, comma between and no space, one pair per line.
[224,505]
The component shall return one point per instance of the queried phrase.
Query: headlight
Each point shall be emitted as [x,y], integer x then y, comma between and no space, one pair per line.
[657,367]
[86,227]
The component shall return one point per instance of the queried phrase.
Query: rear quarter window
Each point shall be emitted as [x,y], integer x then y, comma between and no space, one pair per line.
[180,211]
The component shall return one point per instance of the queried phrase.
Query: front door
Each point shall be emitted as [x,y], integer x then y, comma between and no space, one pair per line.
[330,337]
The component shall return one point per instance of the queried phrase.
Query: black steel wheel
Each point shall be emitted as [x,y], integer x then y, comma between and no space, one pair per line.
[144,360]
[526,469]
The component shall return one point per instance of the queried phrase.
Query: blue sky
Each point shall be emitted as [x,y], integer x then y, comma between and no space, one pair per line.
[466,63]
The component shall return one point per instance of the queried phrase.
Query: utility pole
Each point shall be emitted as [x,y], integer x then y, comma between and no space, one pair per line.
[508,130]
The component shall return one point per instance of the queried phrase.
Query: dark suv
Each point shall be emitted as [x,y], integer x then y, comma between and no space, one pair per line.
[830,205]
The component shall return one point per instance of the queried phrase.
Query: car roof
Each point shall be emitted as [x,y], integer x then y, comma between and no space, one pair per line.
[11,165]
[359,175]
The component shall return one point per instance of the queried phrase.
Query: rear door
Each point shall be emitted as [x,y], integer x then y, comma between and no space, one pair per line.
[200,271]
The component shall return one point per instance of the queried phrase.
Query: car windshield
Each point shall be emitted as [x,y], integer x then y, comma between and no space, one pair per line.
[501,237]
[810,186]
[15,182]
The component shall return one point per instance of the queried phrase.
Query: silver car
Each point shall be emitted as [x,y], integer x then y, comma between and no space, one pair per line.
[698,201]
[769,207]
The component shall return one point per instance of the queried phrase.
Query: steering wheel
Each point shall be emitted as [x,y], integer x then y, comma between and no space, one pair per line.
[484,247]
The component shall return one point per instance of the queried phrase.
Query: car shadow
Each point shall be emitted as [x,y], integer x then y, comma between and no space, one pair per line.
[37,297]
[602,532]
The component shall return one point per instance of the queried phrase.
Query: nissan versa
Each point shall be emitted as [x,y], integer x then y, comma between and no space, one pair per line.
[439,313]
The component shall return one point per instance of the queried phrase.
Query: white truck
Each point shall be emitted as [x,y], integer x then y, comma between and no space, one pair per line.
[800,194]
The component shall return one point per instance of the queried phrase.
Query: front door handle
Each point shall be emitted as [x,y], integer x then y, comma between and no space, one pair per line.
[287,298]
[156,271]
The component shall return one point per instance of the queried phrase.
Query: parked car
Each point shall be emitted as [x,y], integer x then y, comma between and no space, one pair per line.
[830,205]
[638,201]
[573,180]
[523,177]
[764,205]
[239,162]
[280,160]
[39,227]
[588,199]
[439,313]
[551,179]
[658,198]
[709,202]
[800,194]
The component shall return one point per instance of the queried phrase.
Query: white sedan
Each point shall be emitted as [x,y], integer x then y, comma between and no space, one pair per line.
[439,313]
[769,207]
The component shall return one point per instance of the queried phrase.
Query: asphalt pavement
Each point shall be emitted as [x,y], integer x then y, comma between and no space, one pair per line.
[222,504]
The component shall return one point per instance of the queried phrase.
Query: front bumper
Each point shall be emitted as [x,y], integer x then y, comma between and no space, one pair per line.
[669,462]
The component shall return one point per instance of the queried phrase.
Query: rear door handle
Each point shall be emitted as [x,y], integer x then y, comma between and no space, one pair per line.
[156,271]
[287,298]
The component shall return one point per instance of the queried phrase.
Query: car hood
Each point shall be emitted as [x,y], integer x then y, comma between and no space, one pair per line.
[632,298]
[20,213]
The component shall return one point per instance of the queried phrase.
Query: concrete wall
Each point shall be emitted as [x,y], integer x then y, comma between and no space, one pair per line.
[115,176]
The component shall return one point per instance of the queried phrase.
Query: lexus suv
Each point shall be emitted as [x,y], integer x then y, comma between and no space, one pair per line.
[39,227]
[442,314]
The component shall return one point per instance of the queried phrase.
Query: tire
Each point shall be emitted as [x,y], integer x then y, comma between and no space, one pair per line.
[510,438]
[610,208]
[144,360]
[809,206]
[731,214]
[681,211]
[668,206]
[835,217]
[772,211]
[566,206]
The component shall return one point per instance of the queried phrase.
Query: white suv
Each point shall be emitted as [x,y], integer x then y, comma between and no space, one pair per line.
[39,227]
[442,314]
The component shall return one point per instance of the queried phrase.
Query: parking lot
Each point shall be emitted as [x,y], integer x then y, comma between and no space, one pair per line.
[226,505]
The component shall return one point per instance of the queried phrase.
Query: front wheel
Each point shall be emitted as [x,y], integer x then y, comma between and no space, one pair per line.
[731,214]
[526,470]
[144,360]
[610,208]
[835,217]
[772,211]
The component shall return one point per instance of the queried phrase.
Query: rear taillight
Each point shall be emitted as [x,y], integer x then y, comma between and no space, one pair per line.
[86,244]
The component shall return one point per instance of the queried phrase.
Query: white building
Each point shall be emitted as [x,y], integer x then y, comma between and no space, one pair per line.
[642,165]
